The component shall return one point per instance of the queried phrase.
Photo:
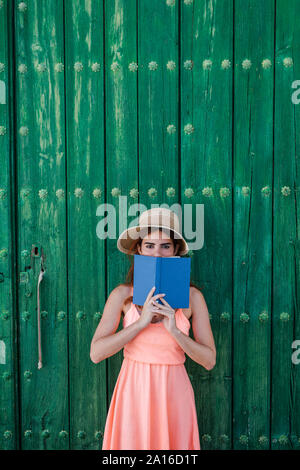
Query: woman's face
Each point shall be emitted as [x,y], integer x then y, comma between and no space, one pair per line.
[156,243]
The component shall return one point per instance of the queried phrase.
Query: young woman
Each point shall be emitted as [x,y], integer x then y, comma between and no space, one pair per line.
[153,403]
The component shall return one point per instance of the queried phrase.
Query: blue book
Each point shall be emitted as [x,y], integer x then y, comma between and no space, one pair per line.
[170,275]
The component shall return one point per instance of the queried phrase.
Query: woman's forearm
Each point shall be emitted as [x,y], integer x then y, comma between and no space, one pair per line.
[200,353]
[109,345]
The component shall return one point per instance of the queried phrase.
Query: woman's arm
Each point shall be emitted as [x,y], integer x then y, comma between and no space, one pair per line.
[202,350]
[105,341]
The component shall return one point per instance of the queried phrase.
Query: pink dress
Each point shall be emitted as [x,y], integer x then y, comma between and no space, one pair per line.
[153,402]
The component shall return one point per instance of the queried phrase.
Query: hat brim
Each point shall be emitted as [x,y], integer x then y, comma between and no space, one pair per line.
[132,234]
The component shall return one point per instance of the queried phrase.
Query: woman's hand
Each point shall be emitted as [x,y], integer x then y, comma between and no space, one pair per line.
[169,314]
[149,310]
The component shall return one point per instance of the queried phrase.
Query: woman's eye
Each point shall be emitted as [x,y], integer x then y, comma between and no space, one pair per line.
[151,246]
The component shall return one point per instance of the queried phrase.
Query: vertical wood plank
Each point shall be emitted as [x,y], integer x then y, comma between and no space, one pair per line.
[253,155]
[158,104]
[121,81]
[285,328]
[206,168]
[9,432]
[41,223]
[85,183]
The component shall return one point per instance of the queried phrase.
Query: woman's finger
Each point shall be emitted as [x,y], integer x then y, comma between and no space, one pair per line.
[167,314]
[158,296]
[168,307]
[164,300]
[150,294]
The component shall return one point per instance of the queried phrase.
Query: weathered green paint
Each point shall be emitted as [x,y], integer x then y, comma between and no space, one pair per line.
[252,209]
[285,421]
[86,253]
[41,222]
[121,141]
[89,128]
[9,410]
[206,103]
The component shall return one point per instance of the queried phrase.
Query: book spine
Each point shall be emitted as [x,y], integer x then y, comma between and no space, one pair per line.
[158,275]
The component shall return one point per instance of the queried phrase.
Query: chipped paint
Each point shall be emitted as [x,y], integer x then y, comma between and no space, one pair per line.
[188,64]
[23,130]
[287,62]
[95,67]
[171,65]
[78,67]
[43,193]
[22,7]
[171,129]
[226,64]
[263,316]
[266,64]
[78,192]
[170,192]
[285,190]
[97,193]
[3,194]
[59,67]
[224,192]
[246,64]
[41,67]
[207,191]
[284,316]
[134,193]
[60,194]
[244,317]
[133,66]
[188,129]
[115,66]
[153,65]
[115,192]
[61,316]
[206,64]
[245,190]
[266,190]
[152,192]
[189,192]
[22,68]
[2,92]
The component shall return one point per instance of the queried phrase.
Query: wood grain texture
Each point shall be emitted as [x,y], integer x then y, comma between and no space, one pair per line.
[206,104]
[9,410]
[285,327]
[253,156]
[121,142]
[161,103]
[85,121]
[41,221]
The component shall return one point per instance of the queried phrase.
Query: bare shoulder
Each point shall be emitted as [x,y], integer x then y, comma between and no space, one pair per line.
[197,300]
[122,291]
[195,294]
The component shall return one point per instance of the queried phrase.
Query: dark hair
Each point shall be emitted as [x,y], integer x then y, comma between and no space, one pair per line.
[135,243]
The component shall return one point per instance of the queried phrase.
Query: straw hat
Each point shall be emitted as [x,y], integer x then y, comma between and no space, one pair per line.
[157,217]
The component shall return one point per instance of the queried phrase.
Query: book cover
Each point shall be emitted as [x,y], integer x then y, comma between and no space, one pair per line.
[170,275]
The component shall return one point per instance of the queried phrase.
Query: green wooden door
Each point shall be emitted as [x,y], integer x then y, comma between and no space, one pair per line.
[133,103]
